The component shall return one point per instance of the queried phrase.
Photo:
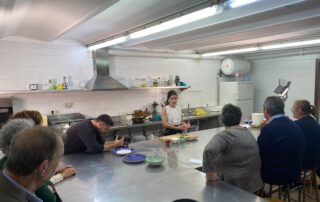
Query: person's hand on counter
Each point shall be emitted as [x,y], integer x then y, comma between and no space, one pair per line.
[119,142]
[116,143]
[185,126]
[62,174]
[212,176]
[67,171]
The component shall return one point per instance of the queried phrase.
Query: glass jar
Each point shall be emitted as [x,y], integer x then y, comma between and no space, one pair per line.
[177,80]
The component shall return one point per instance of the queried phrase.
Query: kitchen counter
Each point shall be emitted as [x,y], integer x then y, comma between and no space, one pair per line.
[118,125]
[190,152]
[104,177]
[152,123]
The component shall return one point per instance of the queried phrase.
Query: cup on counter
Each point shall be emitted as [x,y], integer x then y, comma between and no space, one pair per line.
[257,119]
[127,141]
[168,142]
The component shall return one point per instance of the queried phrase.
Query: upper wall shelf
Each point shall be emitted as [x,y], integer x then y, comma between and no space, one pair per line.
[160,87]
[13,92]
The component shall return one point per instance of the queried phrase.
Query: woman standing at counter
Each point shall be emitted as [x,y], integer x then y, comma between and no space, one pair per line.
[171,115]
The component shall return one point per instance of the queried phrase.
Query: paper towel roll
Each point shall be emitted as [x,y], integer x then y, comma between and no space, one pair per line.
[257,119]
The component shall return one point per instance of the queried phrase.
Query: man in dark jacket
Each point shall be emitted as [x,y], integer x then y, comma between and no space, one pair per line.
[281,144]
[86,136]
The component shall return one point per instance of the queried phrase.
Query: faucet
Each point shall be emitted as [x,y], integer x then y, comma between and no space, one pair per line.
[189,110]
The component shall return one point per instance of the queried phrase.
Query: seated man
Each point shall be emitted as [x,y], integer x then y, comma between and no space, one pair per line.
[7,132]
[42,149]
[86,136]
[281,144]
[233,154]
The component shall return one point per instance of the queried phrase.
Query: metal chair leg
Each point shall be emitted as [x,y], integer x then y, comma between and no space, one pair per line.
[279,192]
[314,183]
[299,194]
[288,193]
[304,186]
[261,192]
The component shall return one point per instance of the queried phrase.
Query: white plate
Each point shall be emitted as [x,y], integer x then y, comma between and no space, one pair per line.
[124,151]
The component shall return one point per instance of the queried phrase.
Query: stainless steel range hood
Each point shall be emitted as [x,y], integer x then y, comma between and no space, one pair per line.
[101,79]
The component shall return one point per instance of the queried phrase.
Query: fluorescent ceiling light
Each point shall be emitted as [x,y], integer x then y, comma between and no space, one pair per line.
[108,43]
[265,47]
[198,15]
[238,3]
[292,44]
[227,52]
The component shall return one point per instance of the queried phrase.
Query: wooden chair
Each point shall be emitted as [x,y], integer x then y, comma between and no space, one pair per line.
[309,179]
[274,200]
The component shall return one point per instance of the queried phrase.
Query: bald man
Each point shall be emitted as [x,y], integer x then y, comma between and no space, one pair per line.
[34,157]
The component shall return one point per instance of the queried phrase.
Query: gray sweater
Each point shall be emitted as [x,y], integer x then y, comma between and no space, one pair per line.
[234,155]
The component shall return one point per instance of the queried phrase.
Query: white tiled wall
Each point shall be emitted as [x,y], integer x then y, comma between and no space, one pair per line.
[199,74]
[22,63]
[300,70]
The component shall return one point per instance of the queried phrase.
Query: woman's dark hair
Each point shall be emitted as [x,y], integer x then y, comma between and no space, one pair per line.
[306,107]
[231,115]
[170,93]
[35,116]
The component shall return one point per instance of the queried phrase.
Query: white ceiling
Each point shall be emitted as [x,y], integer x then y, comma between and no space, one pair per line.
[126,15]
[86,21]
[46,20]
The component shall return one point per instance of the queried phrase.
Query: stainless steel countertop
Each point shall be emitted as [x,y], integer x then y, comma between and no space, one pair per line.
[188,151]
[105,177]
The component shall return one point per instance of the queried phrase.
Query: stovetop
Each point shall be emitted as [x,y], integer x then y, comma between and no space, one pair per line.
[118,124]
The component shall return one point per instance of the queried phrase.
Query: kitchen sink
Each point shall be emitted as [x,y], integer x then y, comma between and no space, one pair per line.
[198,111]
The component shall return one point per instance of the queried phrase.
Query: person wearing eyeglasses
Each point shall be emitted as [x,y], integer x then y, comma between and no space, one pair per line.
[86,136]
[171,115]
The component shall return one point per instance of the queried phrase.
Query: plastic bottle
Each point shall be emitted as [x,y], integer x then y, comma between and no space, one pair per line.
[50,86]
[64,83]
[177,80]
[59,86]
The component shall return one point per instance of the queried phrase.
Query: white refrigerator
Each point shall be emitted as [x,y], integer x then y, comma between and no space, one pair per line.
[239,93]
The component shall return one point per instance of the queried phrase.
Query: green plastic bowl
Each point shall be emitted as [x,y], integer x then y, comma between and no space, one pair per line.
[155,160]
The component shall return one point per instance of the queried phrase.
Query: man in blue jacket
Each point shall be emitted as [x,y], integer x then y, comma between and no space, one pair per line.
[281,144]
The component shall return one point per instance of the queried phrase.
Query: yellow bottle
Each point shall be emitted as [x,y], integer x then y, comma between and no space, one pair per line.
[59,86]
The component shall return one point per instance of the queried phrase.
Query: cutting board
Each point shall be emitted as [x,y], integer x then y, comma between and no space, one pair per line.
[170,137]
